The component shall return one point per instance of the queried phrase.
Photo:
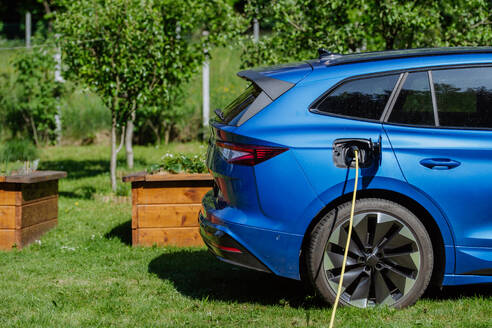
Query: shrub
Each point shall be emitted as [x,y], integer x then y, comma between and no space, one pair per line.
[29,95]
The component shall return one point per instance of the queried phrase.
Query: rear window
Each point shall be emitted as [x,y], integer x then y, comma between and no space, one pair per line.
[464,97]
[242,102]
[364,98]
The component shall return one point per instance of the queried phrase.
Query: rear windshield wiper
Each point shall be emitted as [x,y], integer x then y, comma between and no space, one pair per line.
[219,113]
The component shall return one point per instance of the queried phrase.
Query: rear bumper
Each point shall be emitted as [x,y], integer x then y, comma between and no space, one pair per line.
[226,248]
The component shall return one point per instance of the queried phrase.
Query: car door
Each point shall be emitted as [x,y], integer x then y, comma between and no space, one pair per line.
[440,130]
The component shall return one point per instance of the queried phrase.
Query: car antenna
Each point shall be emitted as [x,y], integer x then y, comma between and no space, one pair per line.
[323,54]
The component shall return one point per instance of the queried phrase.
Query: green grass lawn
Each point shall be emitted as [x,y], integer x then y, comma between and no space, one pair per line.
[85,273]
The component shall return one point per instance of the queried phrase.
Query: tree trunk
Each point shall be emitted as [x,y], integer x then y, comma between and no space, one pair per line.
[34,131]
[167,134]
[114,153]
[129,140]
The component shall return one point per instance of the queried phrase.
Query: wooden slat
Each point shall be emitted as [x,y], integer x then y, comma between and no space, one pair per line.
[7,239]
[36,191]
[179,177]
[175,195]
[143,176]
[30,234]
[38,212]
[161,216]
[139,176]
[168,236]
[38,176]
[8,216]
[10,194]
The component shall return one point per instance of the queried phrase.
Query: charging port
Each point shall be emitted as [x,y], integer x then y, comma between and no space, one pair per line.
[343,152]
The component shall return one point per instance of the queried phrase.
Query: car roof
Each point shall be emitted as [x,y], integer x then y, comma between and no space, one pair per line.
[335,67]
[330,59]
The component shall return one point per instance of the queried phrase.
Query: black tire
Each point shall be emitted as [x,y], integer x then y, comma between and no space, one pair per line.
[396,273]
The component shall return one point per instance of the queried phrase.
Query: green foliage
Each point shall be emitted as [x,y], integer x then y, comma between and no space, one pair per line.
[300,27]
[18,150]
[28,96]
[180,163]
[140,52]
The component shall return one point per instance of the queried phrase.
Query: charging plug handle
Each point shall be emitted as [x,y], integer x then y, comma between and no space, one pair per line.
[343,152]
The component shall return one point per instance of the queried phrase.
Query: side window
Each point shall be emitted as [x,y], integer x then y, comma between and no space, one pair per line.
[464,97]
[364,98]
[414,103]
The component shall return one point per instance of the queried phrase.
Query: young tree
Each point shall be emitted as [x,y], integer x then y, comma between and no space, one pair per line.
[28,97]
[132,52]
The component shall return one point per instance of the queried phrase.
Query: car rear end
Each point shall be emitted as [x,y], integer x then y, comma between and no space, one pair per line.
[234,224]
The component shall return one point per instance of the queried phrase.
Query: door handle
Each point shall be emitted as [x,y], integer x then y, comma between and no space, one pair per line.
[439,163]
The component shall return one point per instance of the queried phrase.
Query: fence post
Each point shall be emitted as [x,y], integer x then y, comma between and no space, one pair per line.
[256,30]
[59,79]
[28,29]
[206,85]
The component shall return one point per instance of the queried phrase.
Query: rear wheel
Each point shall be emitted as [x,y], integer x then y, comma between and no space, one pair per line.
[390,255]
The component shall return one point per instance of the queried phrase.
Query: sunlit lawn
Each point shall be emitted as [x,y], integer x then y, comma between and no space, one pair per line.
[85,273]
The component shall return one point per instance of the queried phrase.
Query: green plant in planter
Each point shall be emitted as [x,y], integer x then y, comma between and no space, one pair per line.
[180,163]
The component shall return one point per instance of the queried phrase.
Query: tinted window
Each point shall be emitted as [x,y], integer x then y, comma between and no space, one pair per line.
[414,103]
[364,98]
[240,103]
[464,97]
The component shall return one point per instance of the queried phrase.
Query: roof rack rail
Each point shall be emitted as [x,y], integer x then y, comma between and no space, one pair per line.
[396,54]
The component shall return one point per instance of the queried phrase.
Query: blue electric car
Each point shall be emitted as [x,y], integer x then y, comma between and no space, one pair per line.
[280,158]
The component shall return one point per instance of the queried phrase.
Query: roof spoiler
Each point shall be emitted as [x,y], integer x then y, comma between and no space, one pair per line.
[272,87]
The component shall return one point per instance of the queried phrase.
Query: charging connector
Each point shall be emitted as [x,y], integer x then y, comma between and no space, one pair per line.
[343,152]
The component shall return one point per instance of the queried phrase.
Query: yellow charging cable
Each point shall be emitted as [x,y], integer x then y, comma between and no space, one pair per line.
[349,235]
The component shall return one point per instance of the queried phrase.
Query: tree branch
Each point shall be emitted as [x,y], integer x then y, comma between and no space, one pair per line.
[121,140]
[484,21]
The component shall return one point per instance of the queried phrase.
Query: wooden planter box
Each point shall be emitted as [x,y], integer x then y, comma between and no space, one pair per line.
[165,208]
[28,207]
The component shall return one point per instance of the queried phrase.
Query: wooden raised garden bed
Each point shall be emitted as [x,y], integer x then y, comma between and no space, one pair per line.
[165,208]
[28,207]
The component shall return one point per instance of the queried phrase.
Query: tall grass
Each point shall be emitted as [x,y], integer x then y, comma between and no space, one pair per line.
[224,87]
[83,116]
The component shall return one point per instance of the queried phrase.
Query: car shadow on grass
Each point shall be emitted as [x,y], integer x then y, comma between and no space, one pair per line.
[199,275]
[457,292]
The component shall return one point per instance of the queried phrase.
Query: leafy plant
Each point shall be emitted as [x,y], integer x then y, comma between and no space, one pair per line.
[180,163]
[29,96]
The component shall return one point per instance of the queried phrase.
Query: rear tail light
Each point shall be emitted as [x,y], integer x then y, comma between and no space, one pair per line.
[247,154]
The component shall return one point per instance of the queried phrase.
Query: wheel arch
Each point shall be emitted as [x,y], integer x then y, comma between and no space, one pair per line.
[444,260]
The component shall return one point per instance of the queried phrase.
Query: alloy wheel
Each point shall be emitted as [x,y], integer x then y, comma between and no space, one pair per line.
[383,260]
